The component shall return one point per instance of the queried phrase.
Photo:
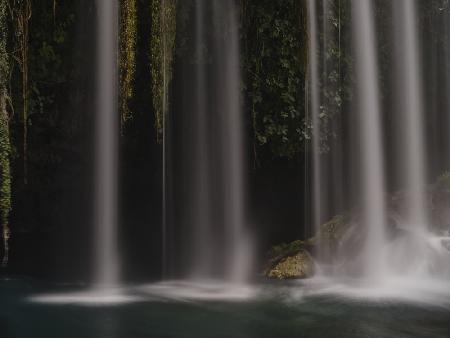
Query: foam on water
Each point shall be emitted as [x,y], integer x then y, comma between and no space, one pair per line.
[201,290]
[86,298]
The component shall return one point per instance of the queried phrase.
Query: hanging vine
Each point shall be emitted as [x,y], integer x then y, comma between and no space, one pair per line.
[127,60]
[5,145]
[21,14]
[163,14]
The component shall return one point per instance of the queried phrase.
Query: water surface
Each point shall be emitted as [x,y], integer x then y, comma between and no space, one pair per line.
[32,310]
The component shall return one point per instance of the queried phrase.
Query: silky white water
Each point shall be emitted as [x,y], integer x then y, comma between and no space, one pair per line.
[372,181]
[411,159]
[201,261]
[106,148]
[390,251]
[314,85]
[238,247]
[219,245]
[411,254]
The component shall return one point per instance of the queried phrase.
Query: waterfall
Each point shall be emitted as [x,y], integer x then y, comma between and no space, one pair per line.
[229,110]
[215,204]
[106,150]
[325,93]
[314,85]
[200,191]
[410,254]
[409,92]
[372,181]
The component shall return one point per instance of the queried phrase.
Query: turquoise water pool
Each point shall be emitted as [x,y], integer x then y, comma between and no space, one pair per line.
[32,310]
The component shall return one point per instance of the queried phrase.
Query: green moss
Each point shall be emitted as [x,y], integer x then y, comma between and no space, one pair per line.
[163,14]
[285,249]
[127,60]
[297,266]
[5,145]
[327,237]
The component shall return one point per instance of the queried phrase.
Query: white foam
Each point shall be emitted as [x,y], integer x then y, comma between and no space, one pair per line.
[427,291]
[87,298]
[205,290]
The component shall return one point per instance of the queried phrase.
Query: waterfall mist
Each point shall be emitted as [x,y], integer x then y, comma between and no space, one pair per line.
[107,130]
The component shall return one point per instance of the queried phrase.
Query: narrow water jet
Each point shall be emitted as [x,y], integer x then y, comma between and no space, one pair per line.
[372,181]
[106,148]
[164,230]
[201,194]
[446,25]
[314,85]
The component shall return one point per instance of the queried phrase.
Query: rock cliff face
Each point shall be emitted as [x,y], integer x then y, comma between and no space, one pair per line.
[338,242]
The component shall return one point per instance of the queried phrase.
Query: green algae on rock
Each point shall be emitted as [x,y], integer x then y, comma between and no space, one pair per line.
[298,266]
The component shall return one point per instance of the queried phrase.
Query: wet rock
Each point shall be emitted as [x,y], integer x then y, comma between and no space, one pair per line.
[331,236]
[298,266]
[338,243]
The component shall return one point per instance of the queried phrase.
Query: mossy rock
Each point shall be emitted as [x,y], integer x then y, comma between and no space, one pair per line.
[298,266]
[335,227]
[286,249]
[330,234]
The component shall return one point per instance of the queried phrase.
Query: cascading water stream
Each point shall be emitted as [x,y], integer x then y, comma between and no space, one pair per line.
[107,128]
[447,80]
[409,93]
[388,246]
[314,85]
[372,180]
[232,140]
[201,194]
[411,254]
[219,245]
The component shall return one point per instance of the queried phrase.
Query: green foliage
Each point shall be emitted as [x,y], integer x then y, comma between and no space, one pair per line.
[163,34]
[335,68]
[5,145]
[127,60]
[275,68]
[21,12]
